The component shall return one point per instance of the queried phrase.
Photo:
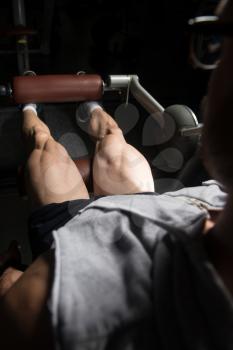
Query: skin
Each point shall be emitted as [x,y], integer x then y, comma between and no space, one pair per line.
[218,149]
[52,177]
[8,278]
[23,306]
[23,311]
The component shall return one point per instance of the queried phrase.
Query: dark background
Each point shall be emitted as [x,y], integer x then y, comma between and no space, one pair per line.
[147,38]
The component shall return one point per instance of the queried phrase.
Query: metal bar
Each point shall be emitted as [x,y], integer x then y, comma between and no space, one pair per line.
[19,12]
[21,44]
[140,94]
[143,97]
[118,81]
[13,52]
[47,26]
[22,57]
[197,130]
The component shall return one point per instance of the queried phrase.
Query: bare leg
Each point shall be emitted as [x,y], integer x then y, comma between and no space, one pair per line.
[51,175]
[23,311]
[118,167]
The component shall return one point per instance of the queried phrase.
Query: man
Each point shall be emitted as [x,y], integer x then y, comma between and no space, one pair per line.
[131,269]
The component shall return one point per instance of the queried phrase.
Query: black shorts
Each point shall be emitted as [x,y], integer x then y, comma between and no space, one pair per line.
[43,220]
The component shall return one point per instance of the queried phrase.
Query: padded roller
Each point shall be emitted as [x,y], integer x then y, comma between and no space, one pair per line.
[57,88]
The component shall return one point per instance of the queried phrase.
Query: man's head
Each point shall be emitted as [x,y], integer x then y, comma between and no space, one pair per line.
[218,115]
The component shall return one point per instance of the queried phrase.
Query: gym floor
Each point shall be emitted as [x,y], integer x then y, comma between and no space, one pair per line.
[94,36]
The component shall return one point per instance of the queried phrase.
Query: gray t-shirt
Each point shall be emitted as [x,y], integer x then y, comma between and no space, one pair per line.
[131,273]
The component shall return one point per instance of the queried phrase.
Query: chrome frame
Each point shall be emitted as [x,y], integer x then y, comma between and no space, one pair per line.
[131,82]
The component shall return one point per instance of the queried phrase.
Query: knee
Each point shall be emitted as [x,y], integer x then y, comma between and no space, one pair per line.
[41,137]
[116,131]
[110,149]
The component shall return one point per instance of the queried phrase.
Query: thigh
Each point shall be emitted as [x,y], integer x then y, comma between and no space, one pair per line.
[23,310]
[119,168]
[52,176]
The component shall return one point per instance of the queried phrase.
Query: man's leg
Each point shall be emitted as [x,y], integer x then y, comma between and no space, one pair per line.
[51,175]
[24,318]
[118,168]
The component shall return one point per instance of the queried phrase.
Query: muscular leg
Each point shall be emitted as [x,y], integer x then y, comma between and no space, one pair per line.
[24,318]
[118,168]
[51,175]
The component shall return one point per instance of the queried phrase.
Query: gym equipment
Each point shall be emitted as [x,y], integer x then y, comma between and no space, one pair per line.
[56,88]
[22,34]
[68,88]
[83,87]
